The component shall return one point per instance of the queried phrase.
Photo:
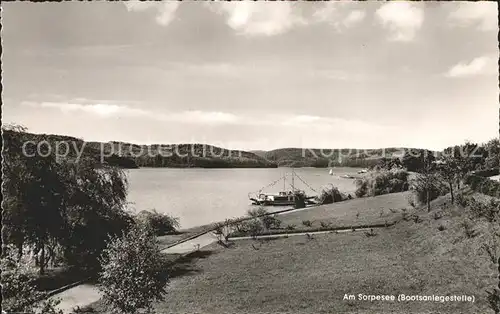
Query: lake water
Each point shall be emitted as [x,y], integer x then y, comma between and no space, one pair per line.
[201,196]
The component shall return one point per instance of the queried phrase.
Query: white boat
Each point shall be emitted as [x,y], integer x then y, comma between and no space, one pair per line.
[363,171]
[331,172]
[347,176]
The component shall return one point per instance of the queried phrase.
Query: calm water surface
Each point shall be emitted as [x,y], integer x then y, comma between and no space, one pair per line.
[201,196]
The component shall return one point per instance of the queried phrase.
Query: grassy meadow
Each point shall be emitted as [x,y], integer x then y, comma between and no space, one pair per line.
[300,274]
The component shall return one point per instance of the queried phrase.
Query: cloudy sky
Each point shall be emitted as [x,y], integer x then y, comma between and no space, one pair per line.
[254,75]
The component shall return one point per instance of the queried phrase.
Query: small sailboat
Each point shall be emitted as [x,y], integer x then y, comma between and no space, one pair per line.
[330,172]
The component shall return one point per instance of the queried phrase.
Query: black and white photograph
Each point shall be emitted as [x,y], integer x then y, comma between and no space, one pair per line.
[254,157]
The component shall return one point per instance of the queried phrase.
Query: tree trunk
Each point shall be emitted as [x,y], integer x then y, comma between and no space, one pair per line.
[19,251]
[42,260]
[451,192]
[499,273]
[428,200]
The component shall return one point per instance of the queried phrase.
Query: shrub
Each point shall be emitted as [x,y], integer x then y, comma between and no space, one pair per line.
[370,233]
[256,212]
[432,188]
[494,295]
[331,195]
[404,216]
[441,228]
[489,210]
[325,225]
[483,185]
[491,250]
[468,229]
[462,200]
[411,201]
[270,222]
[132,271]
[161,224]
[382,182]
[290,227]
[494,300]
[307,223]
[254,228]
[361,187]
[222,230]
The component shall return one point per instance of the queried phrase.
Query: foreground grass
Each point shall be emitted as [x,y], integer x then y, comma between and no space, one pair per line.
[303,275]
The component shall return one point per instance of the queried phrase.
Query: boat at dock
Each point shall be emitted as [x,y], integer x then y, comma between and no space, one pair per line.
[285,197]
[282,198]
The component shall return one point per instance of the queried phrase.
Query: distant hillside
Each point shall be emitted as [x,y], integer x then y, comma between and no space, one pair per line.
[184,155]
[70,147]
[126,155]
[298,157]
[260,153]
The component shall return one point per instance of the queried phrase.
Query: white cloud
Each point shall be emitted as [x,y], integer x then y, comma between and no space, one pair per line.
[112,110]
[483,14]
[300,120]
[478,66]
[165,9]
[334,13]
[353,18]
[403,19]
[328,12]
[103,110]
[258,18]
[253,18]
[203,117]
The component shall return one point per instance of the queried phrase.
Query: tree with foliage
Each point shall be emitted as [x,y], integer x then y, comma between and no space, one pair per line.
[33,193]
[449,170]
[493,151]
[50,200]
[132,275]
[95,201]
[426,184]
[415,160]
[160,223]
[268,221]
[386,163]
[382,182]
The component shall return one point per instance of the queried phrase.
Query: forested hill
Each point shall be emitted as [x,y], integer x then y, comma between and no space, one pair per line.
[299,157]
[184,155]
[126,155]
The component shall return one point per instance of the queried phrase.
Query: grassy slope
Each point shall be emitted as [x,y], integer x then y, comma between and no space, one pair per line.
[297,275]
[373,210]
